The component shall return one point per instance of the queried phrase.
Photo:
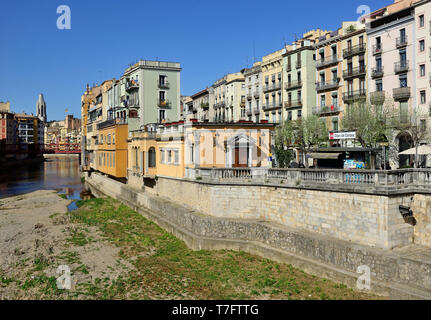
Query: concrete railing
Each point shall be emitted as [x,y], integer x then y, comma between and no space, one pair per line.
[402,177]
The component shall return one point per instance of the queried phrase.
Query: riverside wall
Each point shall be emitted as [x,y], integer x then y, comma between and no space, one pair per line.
[206,216]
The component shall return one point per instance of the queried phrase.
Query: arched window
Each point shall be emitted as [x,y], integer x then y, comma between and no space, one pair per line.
[151,158]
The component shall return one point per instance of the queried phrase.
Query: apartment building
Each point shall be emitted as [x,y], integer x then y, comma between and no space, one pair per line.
[8,125]
[201,105]
[171,149]
[111,154]
[355,61]
[392,58]
[299,76]
[253,88]
[151,92]
[229,98]
[423,57]
[328,51]
[272,104]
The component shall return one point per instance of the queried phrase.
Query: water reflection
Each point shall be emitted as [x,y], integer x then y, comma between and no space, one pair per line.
[55,173]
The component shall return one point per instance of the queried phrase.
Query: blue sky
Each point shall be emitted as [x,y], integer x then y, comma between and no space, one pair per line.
[208,38]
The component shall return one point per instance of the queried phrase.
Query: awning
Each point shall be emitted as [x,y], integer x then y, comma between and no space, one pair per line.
[321,155]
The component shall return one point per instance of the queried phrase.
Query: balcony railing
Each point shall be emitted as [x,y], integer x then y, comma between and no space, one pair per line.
[205,105]
[273,106]
[354,95]
[358,49]
[377,97]
[377,49]
[164,104]
[130,85]
[326,61]
[354,72]
[320,86]
[326,110]
[293,85]
[163,85]
[249,96]
[401,42]
[401,66]
[272,87]
[256,95]
[401,93]
[105,124]
[377,72]
[293,104]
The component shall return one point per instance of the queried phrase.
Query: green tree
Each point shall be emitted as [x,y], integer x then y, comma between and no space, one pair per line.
[303,134]
[372,123]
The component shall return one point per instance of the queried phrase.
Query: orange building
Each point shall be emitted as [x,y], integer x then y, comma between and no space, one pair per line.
[111,154]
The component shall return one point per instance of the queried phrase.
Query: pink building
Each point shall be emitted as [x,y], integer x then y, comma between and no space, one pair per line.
[392,63]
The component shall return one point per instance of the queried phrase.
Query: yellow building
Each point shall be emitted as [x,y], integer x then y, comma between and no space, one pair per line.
[272,102]
[111,154]
[175,149]
[354,43]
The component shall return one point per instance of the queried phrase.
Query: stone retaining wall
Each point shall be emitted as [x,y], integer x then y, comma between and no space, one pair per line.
[393,273]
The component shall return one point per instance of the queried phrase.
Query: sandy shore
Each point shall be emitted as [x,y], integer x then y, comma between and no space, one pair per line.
[36,236]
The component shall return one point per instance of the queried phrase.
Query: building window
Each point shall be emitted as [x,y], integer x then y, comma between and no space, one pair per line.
[421,21]
[162,156]
[151,158]
[403,81]
[422,70]
[379,85]
[335,124]
[162,115]
[299,115]
[422,45]
[169,156]
[289,115]
[423,97]
[176,156]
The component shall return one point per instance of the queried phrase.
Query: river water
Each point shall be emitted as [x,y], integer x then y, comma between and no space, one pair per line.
[60,173]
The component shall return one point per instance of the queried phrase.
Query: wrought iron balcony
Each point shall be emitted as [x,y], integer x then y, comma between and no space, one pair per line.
[272,87]
[105,124]
[377,97]
[163,85]
[401,66]
[130,85]
[354,72]
[377,49]
[293,104]
[358,49]
[352,96]
[401,42]
[273,106]
[293,85]
[326,110]
[164,104]
[401,93]
[377,72]
[327,61]
[321,86]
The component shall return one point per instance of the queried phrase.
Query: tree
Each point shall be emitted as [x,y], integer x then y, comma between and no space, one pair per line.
[372,123]
[413,123]
[303,134]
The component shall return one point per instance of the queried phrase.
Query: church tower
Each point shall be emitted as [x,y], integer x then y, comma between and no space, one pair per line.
[41,108]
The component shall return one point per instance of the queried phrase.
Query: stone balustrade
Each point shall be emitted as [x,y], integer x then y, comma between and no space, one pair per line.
[385,180]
